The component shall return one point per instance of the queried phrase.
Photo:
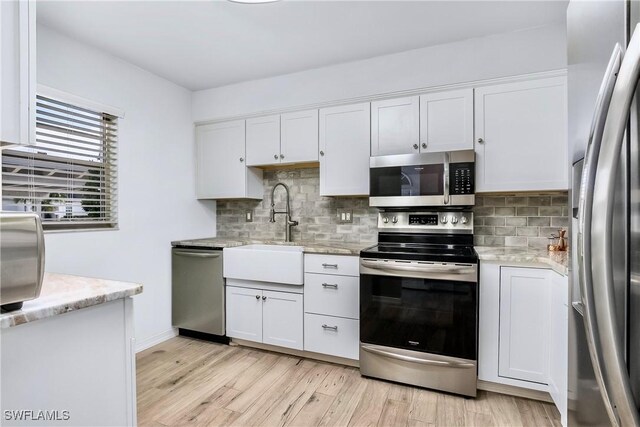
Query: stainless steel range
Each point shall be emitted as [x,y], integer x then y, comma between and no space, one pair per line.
[419,301]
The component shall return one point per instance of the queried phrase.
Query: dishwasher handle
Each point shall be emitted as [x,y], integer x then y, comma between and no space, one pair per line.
[197,254]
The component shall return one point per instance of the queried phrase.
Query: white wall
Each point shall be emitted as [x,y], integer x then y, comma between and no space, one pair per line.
[509,54]
[156,182]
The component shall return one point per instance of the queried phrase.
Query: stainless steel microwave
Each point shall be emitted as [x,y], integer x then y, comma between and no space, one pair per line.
[427,179]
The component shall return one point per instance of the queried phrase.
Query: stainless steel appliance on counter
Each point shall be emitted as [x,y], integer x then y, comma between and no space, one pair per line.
[427,179]
[604,317]
[419,301]
[197,296]
[21,259]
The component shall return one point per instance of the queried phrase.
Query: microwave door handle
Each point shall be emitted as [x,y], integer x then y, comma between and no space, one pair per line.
[613,357]
[446,178]
[586,306]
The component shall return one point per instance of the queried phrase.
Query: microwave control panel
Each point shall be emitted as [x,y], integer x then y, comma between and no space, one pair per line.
[462,178]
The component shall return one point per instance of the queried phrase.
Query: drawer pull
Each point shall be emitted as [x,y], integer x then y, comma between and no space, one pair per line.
[324,265]
[330,285]
[332,328]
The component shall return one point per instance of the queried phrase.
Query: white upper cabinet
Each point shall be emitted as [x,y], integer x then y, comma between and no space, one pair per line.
[395,126]
[524,324]
[263,140]
[17,72]
[221,171]
[344,150]
[521,136]
[446,121]
[299,137]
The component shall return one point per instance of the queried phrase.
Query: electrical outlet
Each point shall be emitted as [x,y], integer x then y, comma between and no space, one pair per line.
[248,216]
[345,216]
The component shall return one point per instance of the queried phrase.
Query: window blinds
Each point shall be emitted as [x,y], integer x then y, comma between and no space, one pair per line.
[69,175]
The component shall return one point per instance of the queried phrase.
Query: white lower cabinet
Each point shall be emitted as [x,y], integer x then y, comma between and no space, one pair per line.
[524,324]
[523,329]
[244,313]
[282,319]
[263,316]
[332,305]
[332,335]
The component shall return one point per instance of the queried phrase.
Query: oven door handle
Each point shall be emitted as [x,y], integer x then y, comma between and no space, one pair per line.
[424,268]
[432,362]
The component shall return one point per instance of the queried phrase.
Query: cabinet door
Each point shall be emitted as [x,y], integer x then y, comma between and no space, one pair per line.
[282,319]
[395,126]
[263,140]
[221,170]
[446,121]
[524,324]
[558,359]
[17,72]
[244,313]
[299,140]
[344,150]
[521,136]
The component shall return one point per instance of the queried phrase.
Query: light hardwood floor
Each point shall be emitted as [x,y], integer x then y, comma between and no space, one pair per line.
[185,381]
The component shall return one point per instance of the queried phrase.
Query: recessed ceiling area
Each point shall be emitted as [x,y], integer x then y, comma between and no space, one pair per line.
[204,44]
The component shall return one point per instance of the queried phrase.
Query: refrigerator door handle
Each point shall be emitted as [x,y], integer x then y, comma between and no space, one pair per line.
[585,205]
[616,376]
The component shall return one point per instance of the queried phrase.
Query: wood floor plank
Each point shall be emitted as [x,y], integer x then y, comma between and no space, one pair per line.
[394,413]
[187,382]
[424,406]
[313,410]
[369,409]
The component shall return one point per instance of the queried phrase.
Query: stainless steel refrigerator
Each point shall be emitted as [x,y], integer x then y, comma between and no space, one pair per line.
[604,317]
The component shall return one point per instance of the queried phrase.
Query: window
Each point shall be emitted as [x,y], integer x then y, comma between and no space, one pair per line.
[69,175]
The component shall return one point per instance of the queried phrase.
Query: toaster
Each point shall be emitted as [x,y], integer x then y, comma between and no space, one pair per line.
[21,259]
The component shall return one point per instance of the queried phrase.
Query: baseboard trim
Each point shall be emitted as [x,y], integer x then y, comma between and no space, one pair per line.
[155,339]
[298,353]
[514,391]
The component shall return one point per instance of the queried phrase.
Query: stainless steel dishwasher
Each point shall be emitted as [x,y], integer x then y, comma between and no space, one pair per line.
[198,292]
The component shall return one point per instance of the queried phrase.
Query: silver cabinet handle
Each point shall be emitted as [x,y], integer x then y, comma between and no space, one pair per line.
[258,297]
[321,153]
[282,156]
[585,207]
[329,265]
[264,298]
[405,358]
[332,328]
[480,141]
[424,145]
[330,285]
[275,156]
[616,376]
[415,146]
[196,254]
[241,159]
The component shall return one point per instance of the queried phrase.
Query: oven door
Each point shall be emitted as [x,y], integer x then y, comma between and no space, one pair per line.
[409,180]
[419,306]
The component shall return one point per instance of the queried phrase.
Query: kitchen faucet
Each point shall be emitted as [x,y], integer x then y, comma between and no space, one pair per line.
[272,216]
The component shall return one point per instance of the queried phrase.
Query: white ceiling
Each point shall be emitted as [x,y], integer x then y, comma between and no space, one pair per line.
[203,44]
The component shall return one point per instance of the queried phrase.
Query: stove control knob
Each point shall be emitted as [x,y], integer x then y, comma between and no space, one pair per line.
[454,220]
[464,220]
[394,219]
[385,219]
[443,219]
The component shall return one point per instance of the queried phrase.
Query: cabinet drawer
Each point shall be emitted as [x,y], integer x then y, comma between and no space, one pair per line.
[331,335]
[332,295]
[332,264]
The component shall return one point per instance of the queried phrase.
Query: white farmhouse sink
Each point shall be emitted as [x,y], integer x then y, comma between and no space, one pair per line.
[265,263]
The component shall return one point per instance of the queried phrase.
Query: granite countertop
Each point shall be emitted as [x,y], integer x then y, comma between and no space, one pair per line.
[558,261]
[62,293]
[329,248]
